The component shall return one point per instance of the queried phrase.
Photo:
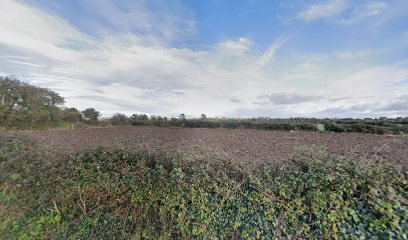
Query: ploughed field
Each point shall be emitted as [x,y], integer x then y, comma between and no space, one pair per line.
[239,144]
[202,184]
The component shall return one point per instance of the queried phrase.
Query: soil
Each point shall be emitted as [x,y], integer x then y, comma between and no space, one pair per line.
[239,144]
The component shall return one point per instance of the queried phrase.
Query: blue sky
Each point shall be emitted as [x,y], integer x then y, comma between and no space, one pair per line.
[324,58]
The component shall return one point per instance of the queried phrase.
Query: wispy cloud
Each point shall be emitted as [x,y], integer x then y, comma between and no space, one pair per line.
[368,107]
[348,54]
[342,12]
[289,98]
[22,63]
[132,65]
[155,22]
[325,10]
[363,11]
[400,104]
[269,54]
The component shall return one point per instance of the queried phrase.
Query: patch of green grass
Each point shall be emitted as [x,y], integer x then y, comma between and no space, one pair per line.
[320,127]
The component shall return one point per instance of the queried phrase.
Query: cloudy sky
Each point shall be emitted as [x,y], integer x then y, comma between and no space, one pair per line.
[325,58]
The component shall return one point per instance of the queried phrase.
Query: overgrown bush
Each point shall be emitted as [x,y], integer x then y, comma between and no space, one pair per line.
[119,119]
[333,127]
[113,194]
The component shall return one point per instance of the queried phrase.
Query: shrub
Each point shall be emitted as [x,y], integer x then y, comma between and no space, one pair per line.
[119,119]
[113,193]
[333,127]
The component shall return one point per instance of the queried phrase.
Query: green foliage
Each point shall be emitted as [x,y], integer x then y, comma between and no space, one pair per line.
[119,119]
[139,120]
[24,106]
[91,115]
[9,146]
[320,127]
[113,193]
[373,126]
[71,115]
[334,127]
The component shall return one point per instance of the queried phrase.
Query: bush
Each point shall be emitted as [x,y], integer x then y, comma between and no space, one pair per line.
[119,119]
[113,193]
[333,127]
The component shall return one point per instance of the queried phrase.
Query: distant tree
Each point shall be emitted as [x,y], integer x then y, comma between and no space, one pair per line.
[144,117]
[156,120]
[71,115]
[134,120]
[119,119]
[203,117]
[183,119]
[139,120]
[91,114]
[174,122]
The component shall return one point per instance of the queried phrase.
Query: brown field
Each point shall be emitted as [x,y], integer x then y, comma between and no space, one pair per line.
[240,144]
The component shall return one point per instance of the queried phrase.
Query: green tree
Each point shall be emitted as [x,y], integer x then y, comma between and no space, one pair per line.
[139,120]
[91,115]
[183,119]
[71,115]
[23,105]
[119,119]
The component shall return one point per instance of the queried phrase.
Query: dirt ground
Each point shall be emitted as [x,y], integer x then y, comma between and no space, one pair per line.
[240,144]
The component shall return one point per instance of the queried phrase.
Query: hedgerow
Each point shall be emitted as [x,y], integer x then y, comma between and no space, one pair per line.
[117,194]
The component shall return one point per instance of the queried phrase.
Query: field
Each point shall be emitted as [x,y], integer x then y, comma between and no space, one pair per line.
[202,183]
[204,120]
[238,144]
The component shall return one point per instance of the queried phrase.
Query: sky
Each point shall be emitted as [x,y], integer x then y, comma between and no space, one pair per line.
[253,58]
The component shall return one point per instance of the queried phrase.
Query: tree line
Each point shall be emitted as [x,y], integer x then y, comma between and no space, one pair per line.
[369,125]
[23,106]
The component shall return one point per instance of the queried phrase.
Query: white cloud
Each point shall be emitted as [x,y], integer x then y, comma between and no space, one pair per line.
[289,98]
[370,81]
[155,22]
[344,12]
[121,68]
[133,68]
[348,54]
[323,86]
[236,46]
[372,8]
[325,10]
[363,11]
[23,63]
[269,54]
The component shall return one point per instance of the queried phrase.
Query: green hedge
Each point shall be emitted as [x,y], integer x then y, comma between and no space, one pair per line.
[114,194]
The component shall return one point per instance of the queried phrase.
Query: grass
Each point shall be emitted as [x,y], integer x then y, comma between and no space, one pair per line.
[320,127]
[117,194]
